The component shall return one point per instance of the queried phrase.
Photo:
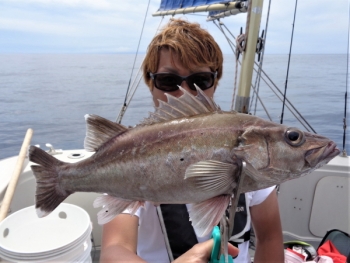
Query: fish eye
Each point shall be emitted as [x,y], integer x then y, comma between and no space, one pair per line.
[294,137]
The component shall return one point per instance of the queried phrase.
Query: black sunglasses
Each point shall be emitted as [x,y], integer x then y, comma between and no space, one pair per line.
[170,82]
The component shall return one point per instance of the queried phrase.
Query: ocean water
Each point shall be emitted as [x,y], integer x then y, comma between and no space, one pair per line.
[51,93]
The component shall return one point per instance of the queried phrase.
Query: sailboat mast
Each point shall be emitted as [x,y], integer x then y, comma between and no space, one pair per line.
[245,80]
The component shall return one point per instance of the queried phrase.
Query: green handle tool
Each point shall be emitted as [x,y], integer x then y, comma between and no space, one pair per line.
[214,257]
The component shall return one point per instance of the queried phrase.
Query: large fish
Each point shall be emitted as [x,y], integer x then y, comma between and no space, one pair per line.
[188,151]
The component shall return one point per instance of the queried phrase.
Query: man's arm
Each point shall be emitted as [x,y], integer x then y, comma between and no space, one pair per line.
[268,230]
[119,240]
[119,243]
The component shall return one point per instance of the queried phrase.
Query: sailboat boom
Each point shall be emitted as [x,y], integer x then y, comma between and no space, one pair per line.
[203,8]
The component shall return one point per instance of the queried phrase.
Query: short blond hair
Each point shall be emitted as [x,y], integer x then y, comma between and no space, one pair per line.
[194,46]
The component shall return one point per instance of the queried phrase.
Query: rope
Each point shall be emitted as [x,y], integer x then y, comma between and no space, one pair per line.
[290,51]
[132,69]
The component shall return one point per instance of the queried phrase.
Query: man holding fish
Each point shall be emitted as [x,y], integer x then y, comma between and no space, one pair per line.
[184,49]
[182,163]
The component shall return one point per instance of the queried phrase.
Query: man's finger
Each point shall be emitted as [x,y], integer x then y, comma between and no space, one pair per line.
[232,250]
[207,246]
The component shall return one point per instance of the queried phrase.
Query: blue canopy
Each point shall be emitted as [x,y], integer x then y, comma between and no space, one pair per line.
[216,8]
[177,4]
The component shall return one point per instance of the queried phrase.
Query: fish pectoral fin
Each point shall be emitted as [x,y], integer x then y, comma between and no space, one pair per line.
[207,214]
[113,206]
[212,175]
[99,130]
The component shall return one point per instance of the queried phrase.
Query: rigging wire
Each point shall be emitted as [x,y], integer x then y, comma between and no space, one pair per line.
[134,86]
[258,77]
[132,69]
[290,51]
[344,135]
[291,107]
[344,154]
[232,46]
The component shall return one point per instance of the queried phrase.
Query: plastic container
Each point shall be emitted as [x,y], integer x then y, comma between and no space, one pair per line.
[63,236]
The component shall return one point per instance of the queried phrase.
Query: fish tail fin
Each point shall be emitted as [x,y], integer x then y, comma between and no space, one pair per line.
[48,193]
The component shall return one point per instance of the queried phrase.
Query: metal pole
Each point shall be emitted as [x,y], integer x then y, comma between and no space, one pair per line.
[245,80]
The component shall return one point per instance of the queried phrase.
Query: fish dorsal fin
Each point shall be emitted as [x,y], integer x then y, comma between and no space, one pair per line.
[99,130]
[185,106]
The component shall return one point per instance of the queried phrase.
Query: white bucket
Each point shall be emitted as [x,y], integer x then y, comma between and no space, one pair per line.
[62,236]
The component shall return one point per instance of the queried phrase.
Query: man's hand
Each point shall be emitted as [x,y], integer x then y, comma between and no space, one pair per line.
[200,253]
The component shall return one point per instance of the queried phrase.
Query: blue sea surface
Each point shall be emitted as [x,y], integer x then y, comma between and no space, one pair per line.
[51,93]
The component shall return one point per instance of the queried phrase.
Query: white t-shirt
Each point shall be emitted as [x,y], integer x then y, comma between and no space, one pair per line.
[151,245]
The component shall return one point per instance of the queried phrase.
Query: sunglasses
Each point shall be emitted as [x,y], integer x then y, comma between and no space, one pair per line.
[170,82]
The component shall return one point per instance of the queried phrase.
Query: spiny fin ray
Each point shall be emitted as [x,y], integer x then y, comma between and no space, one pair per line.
[185,106]
[99,130]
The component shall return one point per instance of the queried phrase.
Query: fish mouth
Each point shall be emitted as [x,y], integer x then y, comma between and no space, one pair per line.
[321,155]
[331,151]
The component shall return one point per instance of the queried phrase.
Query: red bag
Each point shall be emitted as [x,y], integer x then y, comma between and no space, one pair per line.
[328,249]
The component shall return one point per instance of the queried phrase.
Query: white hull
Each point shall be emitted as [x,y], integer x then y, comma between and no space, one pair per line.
[316,203]
[309,206]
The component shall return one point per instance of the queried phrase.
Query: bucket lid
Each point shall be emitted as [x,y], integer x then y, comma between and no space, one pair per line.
[23,234]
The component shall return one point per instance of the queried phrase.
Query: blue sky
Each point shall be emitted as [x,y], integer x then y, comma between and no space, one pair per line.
[105,26]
